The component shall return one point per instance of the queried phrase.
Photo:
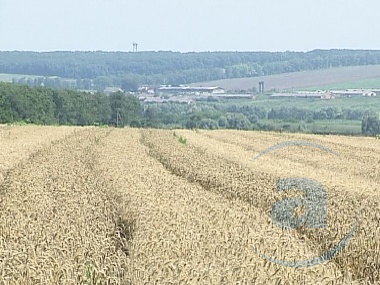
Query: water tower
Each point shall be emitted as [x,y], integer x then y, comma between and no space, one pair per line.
[135,46]
[261,87]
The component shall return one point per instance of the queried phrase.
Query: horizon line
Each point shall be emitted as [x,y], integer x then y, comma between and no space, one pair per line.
[187,52]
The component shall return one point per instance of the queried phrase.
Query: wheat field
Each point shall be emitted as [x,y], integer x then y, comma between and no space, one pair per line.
[146,206]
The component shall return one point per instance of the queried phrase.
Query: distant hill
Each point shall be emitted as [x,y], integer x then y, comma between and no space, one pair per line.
[100,69]
[342,77]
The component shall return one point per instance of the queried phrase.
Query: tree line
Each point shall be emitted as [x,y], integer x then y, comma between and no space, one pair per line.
[97,70]
[248,117]
[47,106]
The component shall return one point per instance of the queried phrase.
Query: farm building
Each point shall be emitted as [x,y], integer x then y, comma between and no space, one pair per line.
[110,90]
[307,95]
[179,100]
[234,96]
[354,93]
[348,93]
[186,90]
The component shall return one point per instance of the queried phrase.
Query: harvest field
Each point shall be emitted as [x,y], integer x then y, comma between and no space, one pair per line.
[146,206]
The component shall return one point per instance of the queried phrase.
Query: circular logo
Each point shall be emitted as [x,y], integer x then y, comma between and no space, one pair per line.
[314,203]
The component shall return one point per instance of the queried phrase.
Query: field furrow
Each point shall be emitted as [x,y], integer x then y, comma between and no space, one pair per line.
[348,191]
[57,224]
[146,206]
[216,164]
[18,143]
[187,235]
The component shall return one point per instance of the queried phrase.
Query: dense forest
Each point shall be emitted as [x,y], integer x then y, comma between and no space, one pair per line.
[97,70]
[46,106]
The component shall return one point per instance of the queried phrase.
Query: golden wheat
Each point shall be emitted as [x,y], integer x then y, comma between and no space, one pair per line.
[129,206]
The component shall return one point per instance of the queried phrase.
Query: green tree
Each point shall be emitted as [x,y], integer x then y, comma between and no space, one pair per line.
[103,111]
[117,104]
[133,110]
[125,109]
[129,85]
[208,124]
[151,116]
[371,125]
[238,121]
[222,122]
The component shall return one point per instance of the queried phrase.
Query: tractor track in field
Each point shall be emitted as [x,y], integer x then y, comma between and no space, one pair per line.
[205,165]
[207,183]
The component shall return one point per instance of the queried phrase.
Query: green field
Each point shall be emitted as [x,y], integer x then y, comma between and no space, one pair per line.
[352,103]
[337,126]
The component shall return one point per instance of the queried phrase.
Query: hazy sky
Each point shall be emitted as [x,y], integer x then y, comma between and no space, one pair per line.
[189,25]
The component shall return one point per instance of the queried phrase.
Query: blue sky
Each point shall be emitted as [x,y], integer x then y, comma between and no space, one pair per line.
[189,25]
